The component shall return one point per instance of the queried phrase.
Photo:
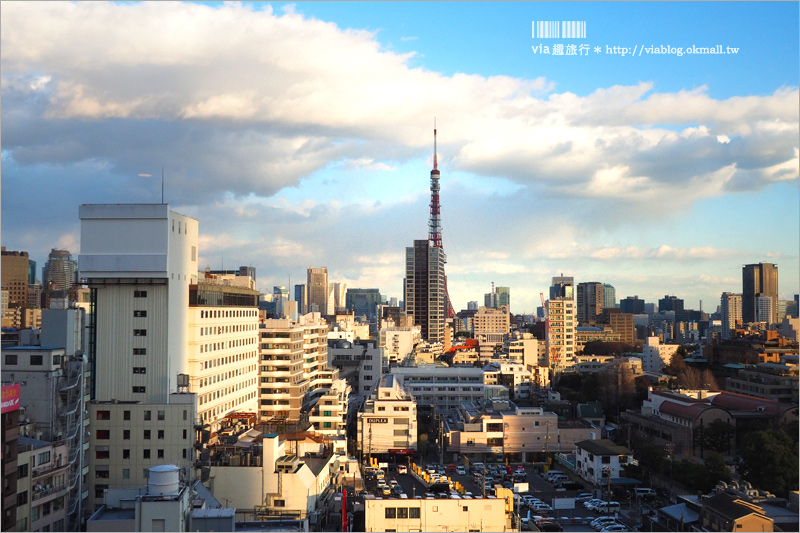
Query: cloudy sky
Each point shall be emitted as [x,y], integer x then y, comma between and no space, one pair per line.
[301,135]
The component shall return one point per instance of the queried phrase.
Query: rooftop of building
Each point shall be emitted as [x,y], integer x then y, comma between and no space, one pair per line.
[730,506]
[603,447]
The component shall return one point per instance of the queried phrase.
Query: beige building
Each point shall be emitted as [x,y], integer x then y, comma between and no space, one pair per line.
[329,416]
[273,476]
[388,422]
[655,356]
[293,371]
[43,485]
[490,327]
[523,348]
[128,438]
[480,514]
[441,388]
[561,336]
[15,277]
[399,342]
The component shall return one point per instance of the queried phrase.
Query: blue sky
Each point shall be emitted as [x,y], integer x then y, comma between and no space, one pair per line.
[301,135]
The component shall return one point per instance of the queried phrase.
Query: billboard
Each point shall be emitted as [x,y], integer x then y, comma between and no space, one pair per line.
[10,398]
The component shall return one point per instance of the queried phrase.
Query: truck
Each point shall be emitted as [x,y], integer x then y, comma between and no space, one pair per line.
[521,487]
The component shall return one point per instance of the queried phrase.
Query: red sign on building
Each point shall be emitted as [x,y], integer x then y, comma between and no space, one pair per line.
[10,398]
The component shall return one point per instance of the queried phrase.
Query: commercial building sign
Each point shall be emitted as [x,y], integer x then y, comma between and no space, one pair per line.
[10,395]
[377,420]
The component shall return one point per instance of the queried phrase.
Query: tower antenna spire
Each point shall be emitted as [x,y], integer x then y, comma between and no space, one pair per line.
[435,159]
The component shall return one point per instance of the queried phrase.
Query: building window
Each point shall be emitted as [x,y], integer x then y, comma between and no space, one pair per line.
[146,453]
[22,498]
[22,471]
[11,359]
[160,454]
[140,351]
[140,333]
[146,434]
[279,503]
[126,454]
[126,473]
[103,434]
[161,414]
[140,294]
[126,415]
[138,390]
[102,454]
[148,415]
[139,370]
[126,434]
[390,512]
[413,512]
[37,360]
[161,434]
[140,314]
[103,415]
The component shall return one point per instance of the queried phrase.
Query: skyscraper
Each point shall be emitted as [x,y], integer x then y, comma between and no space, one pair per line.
[670,303]
[590,301]
[59,271]
[424,291]
[503,297]
[609,296]
[632,304]
[301,297]
[15,277]
[731,311]
[317,285]
[563,287]
[760,279]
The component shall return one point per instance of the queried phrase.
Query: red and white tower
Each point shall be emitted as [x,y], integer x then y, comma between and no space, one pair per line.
[435,220]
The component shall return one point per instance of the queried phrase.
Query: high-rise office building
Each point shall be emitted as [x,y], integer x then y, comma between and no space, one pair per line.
[363,302]
[670,303]
[337,297]
[424,289]
[590,301]
[731,311]
[59,271]
[609,296]
[563,287]
[503,297]
[758,279]
[633,305]
[317,286]
[15,277]
[301,297]
[765,309]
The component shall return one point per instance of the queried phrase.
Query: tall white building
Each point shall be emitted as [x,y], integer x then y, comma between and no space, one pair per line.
[766,308]
[169,347]
[159,329]
[731,310]
[398,342]
[655,356]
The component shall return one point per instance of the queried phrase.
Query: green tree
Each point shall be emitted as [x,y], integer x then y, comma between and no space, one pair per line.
[717,469]
[715,436]
[770,461]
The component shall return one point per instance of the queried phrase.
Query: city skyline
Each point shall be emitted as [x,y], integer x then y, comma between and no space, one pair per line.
[300,135]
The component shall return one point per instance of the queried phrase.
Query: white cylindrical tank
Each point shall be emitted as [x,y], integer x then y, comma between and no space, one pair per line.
[163,480]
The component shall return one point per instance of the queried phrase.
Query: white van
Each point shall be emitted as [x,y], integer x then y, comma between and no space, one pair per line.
[645,493]
[551,473]
[607,507]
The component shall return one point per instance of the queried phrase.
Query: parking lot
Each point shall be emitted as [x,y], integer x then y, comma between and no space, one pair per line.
[570,519]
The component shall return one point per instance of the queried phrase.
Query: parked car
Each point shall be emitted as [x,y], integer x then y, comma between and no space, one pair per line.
[451,467]
[520,469]
[583,497]
[589,504]
[548,525]
[431,469]
[603,521]
[402,469]
[616,527]
[461,471]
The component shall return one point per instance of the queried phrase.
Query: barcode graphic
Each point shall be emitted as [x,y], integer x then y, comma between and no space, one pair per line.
[554,29]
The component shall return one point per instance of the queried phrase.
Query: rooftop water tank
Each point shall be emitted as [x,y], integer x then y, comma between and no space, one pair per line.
[163,480]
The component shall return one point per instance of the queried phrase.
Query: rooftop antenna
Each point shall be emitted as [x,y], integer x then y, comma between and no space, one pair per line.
[162,185]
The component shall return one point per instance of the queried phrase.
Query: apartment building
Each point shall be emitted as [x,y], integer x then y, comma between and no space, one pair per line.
[772,381]
[655,356]
[398,342]
[293,367]
[360,363]
[435,515]
[522,347]
[441,388]
[43,485]
[329,416]
[387,423]
[561,334]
